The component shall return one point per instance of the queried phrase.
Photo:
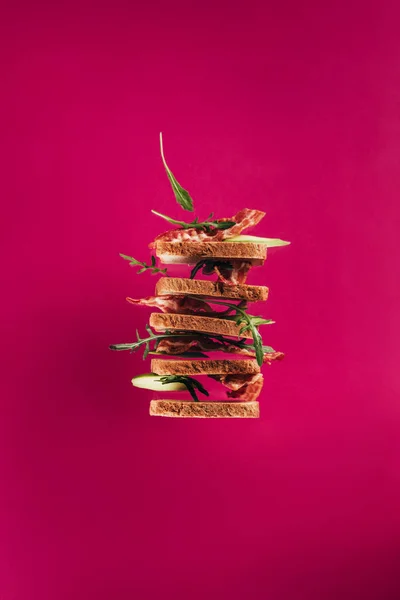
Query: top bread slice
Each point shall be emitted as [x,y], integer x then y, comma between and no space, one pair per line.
[192,252]
[201,287]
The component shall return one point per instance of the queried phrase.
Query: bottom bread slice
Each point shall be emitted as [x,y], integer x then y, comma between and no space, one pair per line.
[205,410]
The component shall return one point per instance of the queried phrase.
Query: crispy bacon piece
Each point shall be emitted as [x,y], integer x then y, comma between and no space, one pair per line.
[174,304]
[227,271]
[250,391]
[180,345]
[176,345]
[268,356]
[224,275]
[235,275]
[242,387]
[242,271]
[244,218]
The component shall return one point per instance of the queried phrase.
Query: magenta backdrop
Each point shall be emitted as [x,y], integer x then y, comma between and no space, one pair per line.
[292,108]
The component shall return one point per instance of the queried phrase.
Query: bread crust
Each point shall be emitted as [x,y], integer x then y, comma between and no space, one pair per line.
[246,366]
[205,410]
[162,321]
[194,251]
[201,287]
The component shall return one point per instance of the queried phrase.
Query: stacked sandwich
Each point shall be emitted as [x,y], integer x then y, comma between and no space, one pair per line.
[204,320]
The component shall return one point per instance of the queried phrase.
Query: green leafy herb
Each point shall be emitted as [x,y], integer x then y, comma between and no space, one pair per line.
[248,322]
[151,339]
[208,265]
[208,226]
[140,342]
[191,384]
[156,338]
[144,267]
[268,349]
[182,196]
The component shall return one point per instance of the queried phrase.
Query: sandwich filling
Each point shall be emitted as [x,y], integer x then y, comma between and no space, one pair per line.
[231,272]
[179,346]
[242,220]
[240,387]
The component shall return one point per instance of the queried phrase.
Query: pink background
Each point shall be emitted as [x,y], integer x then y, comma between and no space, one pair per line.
[291,107]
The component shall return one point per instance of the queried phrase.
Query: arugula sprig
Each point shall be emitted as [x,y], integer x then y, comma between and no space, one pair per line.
[248,322]
[133,346]
[137,263]
[207,225]
[191,384]
[182,196]
[154,339]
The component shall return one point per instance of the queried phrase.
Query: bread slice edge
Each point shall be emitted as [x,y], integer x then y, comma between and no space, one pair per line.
[201,287]
[189,252]
[204,410]
[197,324]
[171,366]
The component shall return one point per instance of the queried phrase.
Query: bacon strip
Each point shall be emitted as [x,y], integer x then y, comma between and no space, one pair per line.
[243,219]
[250,391]
[180,345]
[233,276]
[242,387]
[174,304]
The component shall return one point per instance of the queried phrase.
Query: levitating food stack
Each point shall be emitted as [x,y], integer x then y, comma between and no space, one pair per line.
[201,317]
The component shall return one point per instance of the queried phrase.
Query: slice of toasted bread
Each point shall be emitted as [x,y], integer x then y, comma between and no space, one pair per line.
[205,410]
[244,366]
[192,252]
[163,321]
[200,287]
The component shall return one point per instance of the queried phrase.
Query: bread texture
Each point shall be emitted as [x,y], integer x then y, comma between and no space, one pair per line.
[205,410]
[162,321]
[191,252]
[204,367]
[200,287]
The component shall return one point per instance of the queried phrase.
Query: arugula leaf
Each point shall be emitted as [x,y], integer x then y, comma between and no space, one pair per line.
[137,263]
[191,384]
[196,268]
[182,196]
[268,349]
[208,226]
[256,322]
